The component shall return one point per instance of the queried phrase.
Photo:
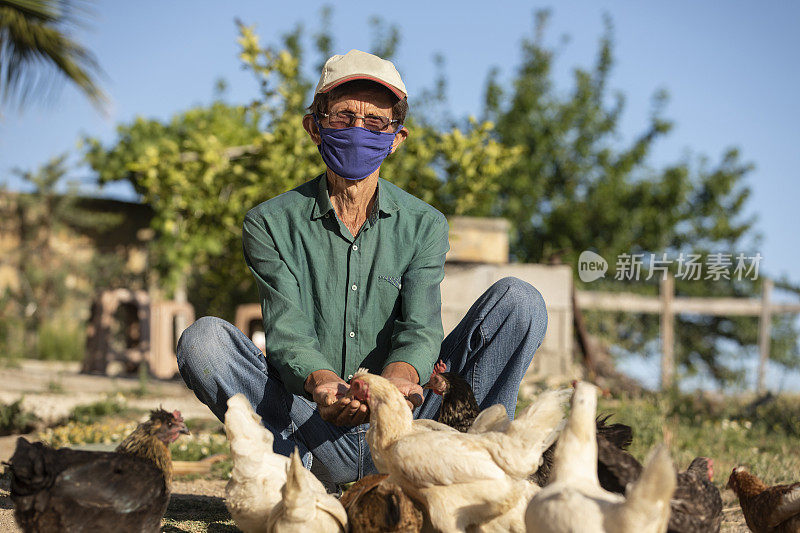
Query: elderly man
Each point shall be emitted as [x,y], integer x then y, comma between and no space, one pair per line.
[348,268]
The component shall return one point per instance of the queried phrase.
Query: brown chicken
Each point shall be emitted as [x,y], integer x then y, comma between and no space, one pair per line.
[766,509]
[375,504]
[57,490]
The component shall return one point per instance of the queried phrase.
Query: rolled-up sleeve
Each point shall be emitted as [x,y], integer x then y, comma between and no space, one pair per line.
[291,342]
[417,334]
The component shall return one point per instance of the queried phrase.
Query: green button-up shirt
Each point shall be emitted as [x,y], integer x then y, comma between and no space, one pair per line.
[332,301]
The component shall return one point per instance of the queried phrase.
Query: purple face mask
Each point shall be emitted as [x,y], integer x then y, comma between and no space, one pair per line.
[354,153]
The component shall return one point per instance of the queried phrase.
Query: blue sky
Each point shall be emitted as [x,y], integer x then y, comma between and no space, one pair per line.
[730,68]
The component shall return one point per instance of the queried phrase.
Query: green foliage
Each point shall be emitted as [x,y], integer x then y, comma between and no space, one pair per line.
[61,340]
[14,420]
[93,412]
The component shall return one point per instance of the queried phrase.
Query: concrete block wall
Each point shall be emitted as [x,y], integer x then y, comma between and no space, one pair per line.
[464,283]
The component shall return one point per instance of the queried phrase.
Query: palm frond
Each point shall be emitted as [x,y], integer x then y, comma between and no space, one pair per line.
[37,52]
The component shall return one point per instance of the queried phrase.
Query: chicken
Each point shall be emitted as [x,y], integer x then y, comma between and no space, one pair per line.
[258,473]
[574,500]
[617,435]
[151,439]
[259,481]
[72,490]
[696,506]
[374,503]
[459,407]
[479,482]
[766,509]
[305,505]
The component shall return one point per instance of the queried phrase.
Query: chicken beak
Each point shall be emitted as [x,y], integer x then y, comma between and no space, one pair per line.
[184,430]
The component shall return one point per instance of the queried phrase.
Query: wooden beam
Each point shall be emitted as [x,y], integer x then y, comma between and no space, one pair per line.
[637,303]
[764,333]
[618,301]
[667,289]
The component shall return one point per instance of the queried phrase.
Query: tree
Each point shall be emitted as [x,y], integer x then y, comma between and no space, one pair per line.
[36,49]
[574,188]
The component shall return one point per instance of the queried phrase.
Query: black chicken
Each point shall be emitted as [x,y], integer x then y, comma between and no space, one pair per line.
[696,505]
[459,407]
[56,490]
[617,436]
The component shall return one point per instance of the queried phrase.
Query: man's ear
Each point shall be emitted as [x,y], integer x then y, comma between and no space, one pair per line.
[399,137]
[311,127]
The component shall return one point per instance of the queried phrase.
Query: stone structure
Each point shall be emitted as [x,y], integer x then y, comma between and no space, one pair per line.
[478,240]
[126,329]
[464,283]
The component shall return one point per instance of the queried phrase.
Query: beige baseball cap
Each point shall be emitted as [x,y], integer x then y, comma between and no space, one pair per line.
[358,65]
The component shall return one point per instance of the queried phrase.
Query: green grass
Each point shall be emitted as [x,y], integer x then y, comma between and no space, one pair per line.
[95,412]
[725,428]
[61,340]
[13,420]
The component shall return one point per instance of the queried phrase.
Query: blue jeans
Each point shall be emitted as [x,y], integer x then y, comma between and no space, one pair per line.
[491,348]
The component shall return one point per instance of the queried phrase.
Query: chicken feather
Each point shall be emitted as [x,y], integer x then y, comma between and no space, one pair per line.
[480,482]
[575,501]
[305,506]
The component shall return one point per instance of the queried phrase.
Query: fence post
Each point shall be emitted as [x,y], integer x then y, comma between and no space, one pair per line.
[764,332]
[667,290]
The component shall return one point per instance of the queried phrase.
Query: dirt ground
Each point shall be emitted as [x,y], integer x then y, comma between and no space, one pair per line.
[52,390]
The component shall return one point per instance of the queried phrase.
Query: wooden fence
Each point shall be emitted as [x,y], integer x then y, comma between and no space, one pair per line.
[668,305]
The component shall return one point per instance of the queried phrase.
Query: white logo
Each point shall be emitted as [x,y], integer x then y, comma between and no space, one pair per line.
[591,266]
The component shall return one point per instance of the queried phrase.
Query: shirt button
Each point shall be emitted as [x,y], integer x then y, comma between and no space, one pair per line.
[355,247]
[352,334]
[354,287]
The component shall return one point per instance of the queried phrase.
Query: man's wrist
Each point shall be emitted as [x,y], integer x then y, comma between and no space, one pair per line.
[317,378]
[401,369]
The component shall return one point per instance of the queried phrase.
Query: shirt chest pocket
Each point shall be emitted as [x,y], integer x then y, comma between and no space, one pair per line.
[387,289]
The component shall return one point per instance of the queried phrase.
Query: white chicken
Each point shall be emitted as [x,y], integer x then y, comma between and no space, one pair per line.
[305,505]
[478,479]
[259,476]
[574,502]
[258,473]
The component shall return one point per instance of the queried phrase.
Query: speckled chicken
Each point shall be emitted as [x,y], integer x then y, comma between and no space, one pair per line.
[374,503]
[766,509]
[64,490]
[696,506]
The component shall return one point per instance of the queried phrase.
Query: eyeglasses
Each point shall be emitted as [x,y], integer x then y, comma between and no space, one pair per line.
[346,119]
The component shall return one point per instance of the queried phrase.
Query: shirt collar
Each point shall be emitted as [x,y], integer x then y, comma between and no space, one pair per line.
[322,205]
